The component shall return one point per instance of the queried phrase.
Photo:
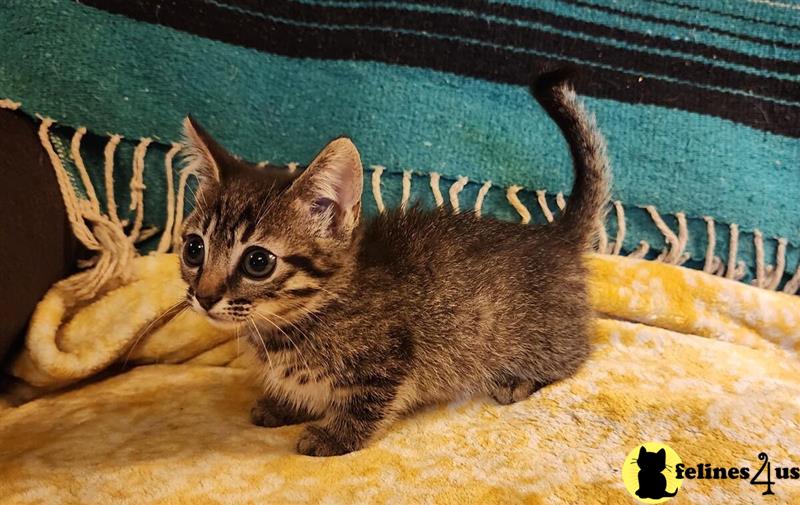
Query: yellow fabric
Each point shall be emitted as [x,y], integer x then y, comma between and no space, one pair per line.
[65,344]
[703,364]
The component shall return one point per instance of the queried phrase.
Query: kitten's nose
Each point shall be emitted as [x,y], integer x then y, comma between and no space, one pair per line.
[208,301]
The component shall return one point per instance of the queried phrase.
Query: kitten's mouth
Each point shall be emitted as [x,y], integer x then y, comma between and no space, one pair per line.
[218,320]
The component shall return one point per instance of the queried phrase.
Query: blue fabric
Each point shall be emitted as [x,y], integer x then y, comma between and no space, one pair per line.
[110,73]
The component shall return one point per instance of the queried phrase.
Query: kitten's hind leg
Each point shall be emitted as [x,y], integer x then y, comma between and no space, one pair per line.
[271,412]
[514,390]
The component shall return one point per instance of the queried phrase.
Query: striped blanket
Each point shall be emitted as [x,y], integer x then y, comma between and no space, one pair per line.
[699,99]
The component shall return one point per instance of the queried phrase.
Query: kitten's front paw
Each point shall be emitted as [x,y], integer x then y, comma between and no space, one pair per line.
[317,441]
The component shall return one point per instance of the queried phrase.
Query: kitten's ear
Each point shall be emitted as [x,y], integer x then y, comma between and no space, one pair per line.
[642,452]
[330,189]
[204,156]
[662,454]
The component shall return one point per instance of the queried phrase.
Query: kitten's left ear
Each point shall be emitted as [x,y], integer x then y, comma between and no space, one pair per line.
[329,190]
[204,156]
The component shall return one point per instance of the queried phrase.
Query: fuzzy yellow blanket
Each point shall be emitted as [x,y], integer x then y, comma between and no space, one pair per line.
[704,365]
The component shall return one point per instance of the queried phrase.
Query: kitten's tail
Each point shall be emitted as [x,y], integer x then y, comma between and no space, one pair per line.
[588,202]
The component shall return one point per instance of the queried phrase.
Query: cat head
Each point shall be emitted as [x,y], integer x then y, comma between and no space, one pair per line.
[652,461]
[263,243]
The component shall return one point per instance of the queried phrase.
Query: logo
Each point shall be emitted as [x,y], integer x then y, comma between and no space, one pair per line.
[649,472]
[653,473]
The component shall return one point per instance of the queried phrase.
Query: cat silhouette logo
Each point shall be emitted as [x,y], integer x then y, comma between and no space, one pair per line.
[649,472]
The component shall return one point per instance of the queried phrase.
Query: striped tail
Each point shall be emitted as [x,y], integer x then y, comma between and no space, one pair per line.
[588,202]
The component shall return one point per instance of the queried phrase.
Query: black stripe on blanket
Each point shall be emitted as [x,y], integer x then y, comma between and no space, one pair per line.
[474,46]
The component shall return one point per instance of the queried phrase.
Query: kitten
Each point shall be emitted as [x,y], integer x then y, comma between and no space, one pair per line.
[358,323]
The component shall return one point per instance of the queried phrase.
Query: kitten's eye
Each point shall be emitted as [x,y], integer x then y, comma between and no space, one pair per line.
[258,263]
[194,251]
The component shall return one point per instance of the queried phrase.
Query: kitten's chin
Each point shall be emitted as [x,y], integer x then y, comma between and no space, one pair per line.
[223,324]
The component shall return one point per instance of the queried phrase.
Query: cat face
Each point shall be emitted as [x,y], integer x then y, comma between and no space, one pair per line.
[652,461]
[264,245]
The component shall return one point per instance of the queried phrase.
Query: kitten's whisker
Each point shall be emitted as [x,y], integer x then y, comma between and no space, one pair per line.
[236,333]
[314,317]
[304,334]
[264,318]
[321,325]
[171,312]
[261,338]
[299,353]
[200,205]
[328,291]
[266,205]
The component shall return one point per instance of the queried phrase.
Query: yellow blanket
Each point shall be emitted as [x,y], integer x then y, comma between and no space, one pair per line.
[705,365]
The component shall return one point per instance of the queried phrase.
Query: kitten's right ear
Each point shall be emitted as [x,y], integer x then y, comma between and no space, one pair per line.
[642,452]
[329,190]
[203,155]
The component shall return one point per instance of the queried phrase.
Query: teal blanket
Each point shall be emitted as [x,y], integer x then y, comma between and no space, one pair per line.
[699,99]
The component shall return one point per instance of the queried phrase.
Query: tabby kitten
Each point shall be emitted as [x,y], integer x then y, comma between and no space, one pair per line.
[358,323]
